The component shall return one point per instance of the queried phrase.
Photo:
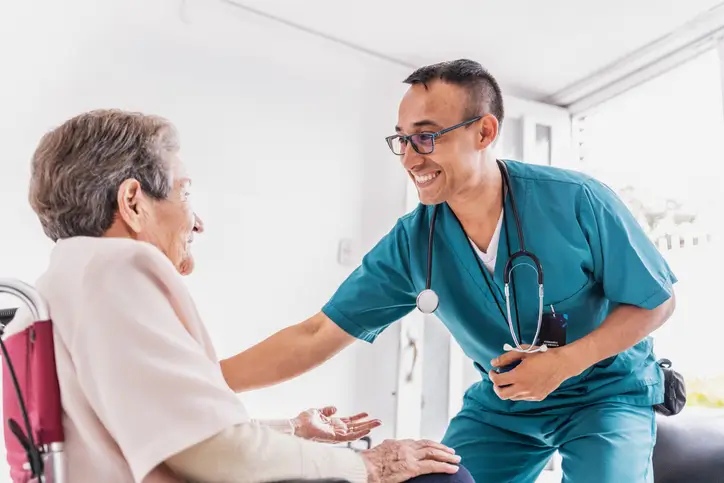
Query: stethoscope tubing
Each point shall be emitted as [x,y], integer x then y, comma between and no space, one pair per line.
[428,301]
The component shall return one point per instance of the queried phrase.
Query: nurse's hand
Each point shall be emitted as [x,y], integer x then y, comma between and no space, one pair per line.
[395,461]
[322,425]
[537,375]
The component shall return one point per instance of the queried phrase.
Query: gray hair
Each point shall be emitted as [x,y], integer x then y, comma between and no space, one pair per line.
[78,168]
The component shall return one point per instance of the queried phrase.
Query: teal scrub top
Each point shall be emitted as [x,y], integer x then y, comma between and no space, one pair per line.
[594,255]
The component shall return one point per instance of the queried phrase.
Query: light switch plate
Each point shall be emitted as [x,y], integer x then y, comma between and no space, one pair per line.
[345,252]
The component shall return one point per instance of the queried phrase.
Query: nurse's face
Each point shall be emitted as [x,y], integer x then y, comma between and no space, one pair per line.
[455,165]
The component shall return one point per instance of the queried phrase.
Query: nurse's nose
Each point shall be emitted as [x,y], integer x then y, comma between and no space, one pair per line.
[411,159]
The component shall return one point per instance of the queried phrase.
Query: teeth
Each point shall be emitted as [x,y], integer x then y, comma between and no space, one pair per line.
[426,178]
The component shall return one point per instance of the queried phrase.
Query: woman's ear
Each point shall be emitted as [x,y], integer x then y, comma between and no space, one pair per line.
[488,131]
[131,204]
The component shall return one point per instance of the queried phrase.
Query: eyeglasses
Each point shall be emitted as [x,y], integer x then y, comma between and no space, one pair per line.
[423,142]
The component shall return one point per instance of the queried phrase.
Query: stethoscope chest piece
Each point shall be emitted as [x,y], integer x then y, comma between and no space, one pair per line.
[427,301]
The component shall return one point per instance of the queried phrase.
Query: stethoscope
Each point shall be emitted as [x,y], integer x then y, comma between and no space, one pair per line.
[428,301]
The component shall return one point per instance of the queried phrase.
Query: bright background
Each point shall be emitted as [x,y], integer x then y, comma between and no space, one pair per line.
[283,108]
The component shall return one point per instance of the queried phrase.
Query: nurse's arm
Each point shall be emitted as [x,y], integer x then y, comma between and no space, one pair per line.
[623,328]
[286,354]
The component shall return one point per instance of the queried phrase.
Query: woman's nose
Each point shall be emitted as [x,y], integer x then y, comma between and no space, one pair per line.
[198,224]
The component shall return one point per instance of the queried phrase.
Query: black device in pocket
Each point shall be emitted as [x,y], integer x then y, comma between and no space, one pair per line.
[674,390]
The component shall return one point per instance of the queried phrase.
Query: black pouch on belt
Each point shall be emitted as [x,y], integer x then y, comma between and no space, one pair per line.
[674,391]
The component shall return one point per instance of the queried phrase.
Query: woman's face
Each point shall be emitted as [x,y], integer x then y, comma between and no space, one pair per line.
[169,224]
[175,221]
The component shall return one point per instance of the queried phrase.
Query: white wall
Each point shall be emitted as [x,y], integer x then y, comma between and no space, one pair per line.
[721,61]
[283,134]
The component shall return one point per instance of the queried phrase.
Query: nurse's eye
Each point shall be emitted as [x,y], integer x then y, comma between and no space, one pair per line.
[423,141]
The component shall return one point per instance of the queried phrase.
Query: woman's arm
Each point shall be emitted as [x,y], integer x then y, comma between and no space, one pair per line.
[252,452]
[283,426]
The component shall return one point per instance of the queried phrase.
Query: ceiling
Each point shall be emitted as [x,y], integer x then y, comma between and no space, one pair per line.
[534,48]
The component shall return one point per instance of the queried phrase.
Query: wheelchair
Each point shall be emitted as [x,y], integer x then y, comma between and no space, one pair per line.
[32,410]
[687,450]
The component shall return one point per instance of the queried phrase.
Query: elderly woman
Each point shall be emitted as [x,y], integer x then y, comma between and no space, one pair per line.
[144,395]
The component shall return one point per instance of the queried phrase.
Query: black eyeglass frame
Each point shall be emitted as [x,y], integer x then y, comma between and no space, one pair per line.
[432,136]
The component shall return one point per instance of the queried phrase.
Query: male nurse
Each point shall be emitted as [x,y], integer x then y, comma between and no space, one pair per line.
[590,395]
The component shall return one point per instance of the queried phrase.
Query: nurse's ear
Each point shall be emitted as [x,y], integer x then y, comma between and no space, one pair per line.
[488,131]
[133,204]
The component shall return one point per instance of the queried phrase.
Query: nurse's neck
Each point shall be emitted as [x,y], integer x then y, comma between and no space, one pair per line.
[478,206]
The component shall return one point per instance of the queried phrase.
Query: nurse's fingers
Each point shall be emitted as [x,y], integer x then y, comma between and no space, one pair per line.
[502,379]
[508,358]
[513,392]
[502,392]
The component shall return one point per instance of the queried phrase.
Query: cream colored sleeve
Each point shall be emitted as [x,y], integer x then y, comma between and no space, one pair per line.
[284,426]
[250,452]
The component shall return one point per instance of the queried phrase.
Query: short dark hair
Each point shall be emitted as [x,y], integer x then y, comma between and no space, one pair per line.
[483,90]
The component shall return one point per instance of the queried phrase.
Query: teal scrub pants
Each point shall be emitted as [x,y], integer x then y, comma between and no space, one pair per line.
[600,443]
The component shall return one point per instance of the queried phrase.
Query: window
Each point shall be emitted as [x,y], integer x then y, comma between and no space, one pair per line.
[661,147]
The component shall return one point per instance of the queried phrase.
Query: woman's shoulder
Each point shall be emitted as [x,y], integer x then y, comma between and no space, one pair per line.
[92,267]
[106,256]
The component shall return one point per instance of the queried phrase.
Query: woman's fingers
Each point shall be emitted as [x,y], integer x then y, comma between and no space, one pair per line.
[426,443]
[436,454]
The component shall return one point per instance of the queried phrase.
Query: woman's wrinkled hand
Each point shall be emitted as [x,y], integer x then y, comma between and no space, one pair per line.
[395,461]
[322,425]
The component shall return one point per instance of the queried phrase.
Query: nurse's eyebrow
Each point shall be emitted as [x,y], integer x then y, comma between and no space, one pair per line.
[423,123]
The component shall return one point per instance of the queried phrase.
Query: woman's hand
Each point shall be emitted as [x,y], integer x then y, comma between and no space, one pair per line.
[322,425]
[396,461]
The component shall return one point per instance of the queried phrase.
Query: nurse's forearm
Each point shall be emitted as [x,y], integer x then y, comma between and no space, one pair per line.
[286,354]
[622,329]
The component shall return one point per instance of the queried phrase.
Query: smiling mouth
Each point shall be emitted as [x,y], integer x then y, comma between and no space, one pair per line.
[425,179]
